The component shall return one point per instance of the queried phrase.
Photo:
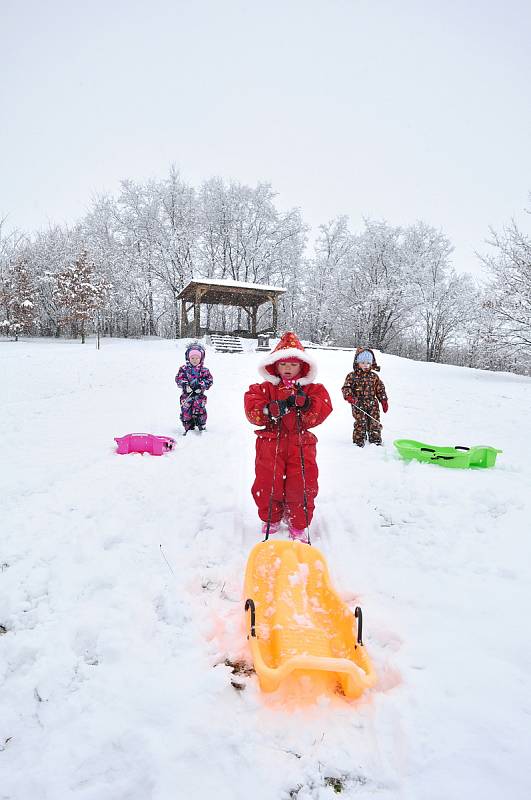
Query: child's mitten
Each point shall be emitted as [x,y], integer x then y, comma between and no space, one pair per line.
[299,401]
[277,408]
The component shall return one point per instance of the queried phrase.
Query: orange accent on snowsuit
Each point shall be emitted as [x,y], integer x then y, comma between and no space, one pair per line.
[288,491]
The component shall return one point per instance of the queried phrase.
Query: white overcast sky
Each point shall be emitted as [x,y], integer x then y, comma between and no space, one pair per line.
[398,110]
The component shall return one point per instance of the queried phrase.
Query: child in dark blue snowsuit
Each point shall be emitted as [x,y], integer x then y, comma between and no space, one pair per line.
[194,380]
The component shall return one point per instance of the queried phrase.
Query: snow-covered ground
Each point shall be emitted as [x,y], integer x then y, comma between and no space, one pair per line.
[121,588]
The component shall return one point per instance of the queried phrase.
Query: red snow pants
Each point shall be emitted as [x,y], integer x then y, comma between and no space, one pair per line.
[288,488]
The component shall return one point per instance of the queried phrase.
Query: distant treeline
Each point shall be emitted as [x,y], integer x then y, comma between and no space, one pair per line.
[121,268]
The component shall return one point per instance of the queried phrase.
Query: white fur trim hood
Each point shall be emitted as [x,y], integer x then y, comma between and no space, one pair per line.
[281,355]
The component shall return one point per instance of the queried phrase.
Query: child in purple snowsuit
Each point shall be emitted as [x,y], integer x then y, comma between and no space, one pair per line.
[193,379]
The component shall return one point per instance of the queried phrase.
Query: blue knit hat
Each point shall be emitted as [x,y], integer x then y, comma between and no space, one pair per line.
[364,357]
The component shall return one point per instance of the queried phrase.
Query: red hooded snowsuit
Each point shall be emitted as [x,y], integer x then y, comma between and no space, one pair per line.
[280,441]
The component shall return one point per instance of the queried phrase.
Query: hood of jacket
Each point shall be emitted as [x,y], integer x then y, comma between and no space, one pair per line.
[359,350]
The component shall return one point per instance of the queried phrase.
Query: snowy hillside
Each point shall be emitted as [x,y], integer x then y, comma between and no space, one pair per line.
[121,583]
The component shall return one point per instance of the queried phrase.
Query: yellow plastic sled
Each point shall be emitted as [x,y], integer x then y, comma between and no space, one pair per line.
[298,625]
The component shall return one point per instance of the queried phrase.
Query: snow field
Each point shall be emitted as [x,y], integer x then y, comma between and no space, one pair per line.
[121,581]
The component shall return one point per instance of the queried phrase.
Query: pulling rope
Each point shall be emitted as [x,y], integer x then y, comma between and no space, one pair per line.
[303,471]
[270,509]
[166,560]
[367,414]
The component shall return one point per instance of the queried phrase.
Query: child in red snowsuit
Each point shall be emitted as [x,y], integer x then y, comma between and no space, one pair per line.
[286,405]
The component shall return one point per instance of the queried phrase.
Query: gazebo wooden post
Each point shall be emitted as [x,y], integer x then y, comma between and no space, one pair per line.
[254,311]
[275,314]
[197,313]
[184,319]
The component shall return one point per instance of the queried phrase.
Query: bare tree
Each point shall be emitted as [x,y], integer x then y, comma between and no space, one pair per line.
[243,237]
[509,294]
[441,296]
[327,281]
[378,284]
[175,233]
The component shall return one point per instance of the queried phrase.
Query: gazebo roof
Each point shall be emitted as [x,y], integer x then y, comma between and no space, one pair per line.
[229,293]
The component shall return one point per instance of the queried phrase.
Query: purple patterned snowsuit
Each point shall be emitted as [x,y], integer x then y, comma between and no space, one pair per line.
[194,382]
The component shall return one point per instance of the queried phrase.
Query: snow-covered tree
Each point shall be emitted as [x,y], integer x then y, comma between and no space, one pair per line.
[48,253]
[441,297]
[17,289]
[379,291]
[326,289]
[21,299]
[243,237]
[509,294]
[81,292]
[356,291]
[482,342]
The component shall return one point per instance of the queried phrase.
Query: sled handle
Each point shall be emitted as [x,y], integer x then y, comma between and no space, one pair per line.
[249,604]
[460,447]
[427,450]
[443,458]
[359,617]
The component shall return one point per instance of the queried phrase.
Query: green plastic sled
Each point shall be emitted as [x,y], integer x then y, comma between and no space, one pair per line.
[478,457]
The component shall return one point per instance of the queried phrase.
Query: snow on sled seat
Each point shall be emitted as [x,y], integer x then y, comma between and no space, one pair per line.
[144,443]
[478,457]
[298,626]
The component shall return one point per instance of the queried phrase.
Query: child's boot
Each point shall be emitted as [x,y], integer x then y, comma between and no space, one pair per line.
[273,528]
[298,534]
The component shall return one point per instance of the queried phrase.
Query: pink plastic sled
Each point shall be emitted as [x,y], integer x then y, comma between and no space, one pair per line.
[144,443]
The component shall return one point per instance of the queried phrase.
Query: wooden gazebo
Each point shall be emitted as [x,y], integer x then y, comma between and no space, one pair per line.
[207,291]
